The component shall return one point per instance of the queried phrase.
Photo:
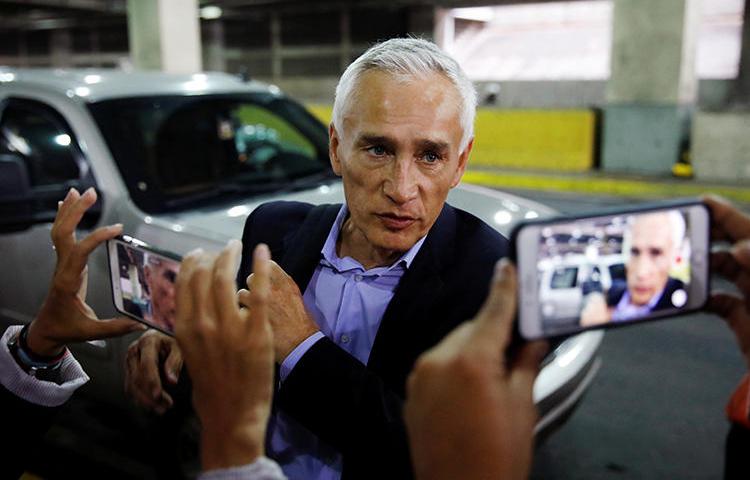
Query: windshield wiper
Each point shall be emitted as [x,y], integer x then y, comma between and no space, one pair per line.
[251,186]
[219,191]
[309,181]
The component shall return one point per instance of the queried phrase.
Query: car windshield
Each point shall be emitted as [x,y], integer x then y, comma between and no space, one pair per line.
[176,152]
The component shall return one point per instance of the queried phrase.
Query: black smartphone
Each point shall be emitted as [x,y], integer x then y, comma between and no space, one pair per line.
[143,282]
[611,268]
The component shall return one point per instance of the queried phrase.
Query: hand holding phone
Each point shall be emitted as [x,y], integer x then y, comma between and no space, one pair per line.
[611,269]
[143,282]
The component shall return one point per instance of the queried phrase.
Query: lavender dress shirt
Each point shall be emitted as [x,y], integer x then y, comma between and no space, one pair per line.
[347,302]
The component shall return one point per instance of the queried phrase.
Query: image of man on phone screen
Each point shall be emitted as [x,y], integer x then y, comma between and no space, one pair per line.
[151,284]
[653,250]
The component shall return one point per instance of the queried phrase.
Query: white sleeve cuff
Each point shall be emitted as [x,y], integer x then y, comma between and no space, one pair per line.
[262,468]
[33,390]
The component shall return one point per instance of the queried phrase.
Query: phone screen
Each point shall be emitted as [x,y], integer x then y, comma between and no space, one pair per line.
[143,283]
[612,270]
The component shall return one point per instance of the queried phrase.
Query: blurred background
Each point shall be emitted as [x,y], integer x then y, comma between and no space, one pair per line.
[606,86]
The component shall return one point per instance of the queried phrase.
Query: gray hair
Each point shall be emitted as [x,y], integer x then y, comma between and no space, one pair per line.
[678,229]
[407,57]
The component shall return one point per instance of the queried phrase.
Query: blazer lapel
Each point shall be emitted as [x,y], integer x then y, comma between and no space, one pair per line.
[302,248]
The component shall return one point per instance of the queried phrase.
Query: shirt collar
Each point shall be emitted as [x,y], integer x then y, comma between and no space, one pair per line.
[626,311]
[329,247]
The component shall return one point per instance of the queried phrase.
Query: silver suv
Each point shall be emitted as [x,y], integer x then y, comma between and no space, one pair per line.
[181,161]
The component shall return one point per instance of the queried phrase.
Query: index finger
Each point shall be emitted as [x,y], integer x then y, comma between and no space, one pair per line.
[728,222]
[224,285]
[183,296]
[495,319]
[70,215]
[262,270]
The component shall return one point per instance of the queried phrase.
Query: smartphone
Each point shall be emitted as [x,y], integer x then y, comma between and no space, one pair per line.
[143,282]
[611,268]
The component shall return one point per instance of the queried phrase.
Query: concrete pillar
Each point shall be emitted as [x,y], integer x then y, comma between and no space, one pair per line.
[214,59]
[61,47]
[720,140]
[652,84]
[742,85]
[444,28]
[165,35]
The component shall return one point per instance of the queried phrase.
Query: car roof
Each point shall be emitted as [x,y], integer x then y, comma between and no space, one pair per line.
[92,85]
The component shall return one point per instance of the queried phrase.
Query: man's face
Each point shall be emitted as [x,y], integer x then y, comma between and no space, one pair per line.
[399,156]
[651,256]
[161,284]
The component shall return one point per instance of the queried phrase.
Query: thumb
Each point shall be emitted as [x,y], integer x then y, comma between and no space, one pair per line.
[498,311]
[526,365]
[114,327]
[173,364]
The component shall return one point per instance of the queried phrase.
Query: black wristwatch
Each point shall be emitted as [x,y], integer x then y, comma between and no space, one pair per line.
[38,366]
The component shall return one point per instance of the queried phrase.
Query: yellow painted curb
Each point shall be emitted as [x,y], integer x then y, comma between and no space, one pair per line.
[605,185]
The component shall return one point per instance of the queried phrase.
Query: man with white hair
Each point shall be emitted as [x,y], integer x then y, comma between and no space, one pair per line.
[160,277]
[362,289]
[652,248]
[652,245]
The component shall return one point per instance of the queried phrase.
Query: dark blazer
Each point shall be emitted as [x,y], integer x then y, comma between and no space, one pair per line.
[615,293]
[356,408]
[24,424]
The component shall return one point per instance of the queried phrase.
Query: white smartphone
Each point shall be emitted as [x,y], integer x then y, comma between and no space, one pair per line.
[611,269]
[143,282]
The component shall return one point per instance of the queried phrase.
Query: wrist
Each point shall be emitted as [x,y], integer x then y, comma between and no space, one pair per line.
[288,347]
[222,448]
[40,344]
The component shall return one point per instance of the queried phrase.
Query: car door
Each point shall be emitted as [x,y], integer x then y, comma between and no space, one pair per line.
[42,139]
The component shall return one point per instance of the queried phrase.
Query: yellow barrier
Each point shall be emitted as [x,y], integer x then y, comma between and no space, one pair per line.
[560,140]
[322,112]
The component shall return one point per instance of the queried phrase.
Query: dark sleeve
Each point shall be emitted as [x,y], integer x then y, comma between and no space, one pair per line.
[24,424]
[349,407]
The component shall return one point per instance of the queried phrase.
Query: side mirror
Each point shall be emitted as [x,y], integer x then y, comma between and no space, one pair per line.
[23,205]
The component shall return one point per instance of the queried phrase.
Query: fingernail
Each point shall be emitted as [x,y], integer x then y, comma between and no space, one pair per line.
[172,376]
[116,226]
[196,251]
[70,192]
[263,252]
[501,267]
[89,191]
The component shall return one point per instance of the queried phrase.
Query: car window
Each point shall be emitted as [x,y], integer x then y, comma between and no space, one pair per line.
[176,152]
[41,137]
[564,278]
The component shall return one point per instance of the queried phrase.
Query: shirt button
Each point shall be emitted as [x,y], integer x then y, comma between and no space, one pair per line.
[344,338]
[357,278]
